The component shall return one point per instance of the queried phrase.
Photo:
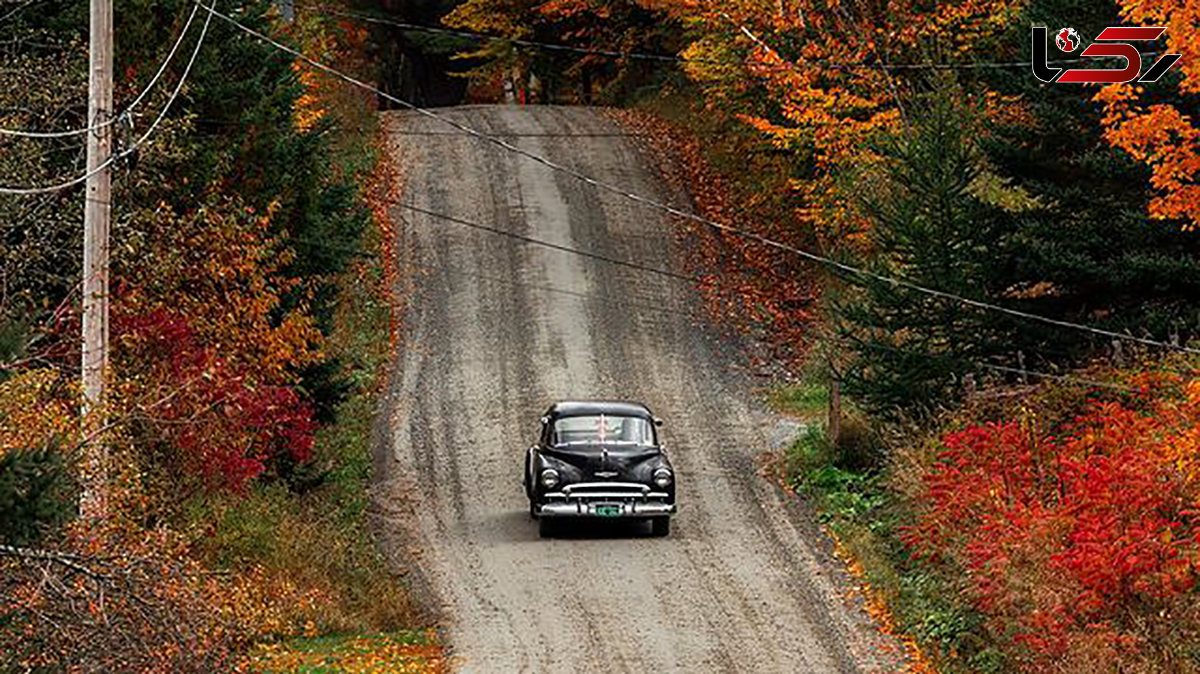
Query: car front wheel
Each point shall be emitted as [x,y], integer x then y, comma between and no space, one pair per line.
[660,526]
[533,514]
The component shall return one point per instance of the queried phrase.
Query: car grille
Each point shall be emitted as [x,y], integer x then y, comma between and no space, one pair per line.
[607,491]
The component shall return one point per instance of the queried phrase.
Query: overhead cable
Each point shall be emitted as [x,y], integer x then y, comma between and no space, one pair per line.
[128,109]
[116,156]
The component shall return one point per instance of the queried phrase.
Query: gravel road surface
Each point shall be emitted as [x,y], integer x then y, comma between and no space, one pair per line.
[498,329]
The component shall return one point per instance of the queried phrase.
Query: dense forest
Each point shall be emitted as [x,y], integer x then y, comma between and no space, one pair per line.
[1001,275]
[249,321]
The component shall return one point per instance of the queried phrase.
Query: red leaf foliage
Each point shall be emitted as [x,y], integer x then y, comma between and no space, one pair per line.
[1077,543]
[225,427]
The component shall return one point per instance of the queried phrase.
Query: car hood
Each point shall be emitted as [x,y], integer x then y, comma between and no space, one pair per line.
[596,462]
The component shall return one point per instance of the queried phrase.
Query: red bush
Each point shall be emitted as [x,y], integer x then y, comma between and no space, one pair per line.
[1074,543]
[225,425]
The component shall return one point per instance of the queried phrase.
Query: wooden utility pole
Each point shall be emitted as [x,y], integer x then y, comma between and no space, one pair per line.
[96,214]
[835,411]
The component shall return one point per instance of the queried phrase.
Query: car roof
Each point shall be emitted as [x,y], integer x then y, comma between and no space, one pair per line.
[574,408]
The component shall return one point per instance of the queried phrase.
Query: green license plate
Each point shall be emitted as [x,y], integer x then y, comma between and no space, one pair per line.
[608,511]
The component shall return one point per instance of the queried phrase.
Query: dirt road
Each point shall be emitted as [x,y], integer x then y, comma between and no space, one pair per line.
[497,330]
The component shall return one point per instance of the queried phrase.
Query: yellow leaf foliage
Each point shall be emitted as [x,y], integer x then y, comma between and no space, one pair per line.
[219,267]
[829,103]
[36,407]
[360,655]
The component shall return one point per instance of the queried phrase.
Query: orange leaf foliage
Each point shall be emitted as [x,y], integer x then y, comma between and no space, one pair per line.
[827,103]
[221,269]
[359,655]
[1162,135]
[36,407]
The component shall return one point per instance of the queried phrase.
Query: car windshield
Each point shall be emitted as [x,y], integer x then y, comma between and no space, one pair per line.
[602,428]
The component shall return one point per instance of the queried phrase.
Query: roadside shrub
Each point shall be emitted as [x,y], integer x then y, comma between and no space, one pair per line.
[35,494]
[857,448]
[121,599]
[1077,539]
[36,485]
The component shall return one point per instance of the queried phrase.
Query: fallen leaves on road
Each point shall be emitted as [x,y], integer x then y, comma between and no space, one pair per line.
[877,609]
[747,286]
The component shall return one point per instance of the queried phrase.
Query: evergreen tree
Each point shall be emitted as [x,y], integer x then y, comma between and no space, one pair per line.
[1088,239]
[36,494]
[1068,239]
[908,349]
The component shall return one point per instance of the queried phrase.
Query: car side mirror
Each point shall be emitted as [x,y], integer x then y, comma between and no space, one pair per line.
[657,421]
[545,420]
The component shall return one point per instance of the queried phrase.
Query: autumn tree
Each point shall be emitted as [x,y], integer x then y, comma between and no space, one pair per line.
[230,226]
[206,340]
[37,430]
[1154,123]
[38,234]
[822,75]
[1089,250]
[843,89]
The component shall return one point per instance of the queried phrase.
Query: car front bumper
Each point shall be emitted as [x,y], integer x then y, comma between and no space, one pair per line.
[606,510]
[606,500]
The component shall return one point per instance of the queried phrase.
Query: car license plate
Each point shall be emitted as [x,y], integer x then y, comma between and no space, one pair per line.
[608,511]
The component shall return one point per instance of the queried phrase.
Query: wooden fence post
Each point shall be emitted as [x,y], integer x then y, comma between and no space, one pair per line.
[835,411]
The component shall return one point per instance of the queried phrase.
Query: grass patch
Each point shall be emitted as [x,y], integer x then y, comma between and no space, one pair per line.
[413,651]
[868,517]
[804,400]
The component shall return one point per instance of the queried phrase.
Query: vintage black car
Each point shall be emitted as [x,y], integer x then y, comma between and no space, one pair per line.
[599,459]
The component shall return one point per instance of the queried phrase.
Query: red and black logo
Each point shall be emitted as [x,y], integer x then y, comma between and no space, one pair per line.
[1112,41]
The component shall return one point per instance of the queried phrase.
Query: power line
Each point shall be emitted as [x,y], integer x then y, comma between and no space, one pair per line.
[658,271]
[673,58]
[660,307]
[116,156]
[547,244]
[606,299]
[17,9]
[405,132]
[758,238]
[664,307]
[549,46]
[989,366]
[128,109]
[1061,377]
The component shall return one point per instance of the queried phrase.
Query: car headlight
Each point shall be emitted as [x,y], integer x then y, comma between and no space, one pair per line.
[662,478]
[550,478]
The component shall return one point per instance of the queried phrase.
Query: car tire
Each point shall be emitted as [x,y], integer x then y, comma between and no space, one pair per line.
[660,526]
[545,528]
[527,480]
[533,514]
